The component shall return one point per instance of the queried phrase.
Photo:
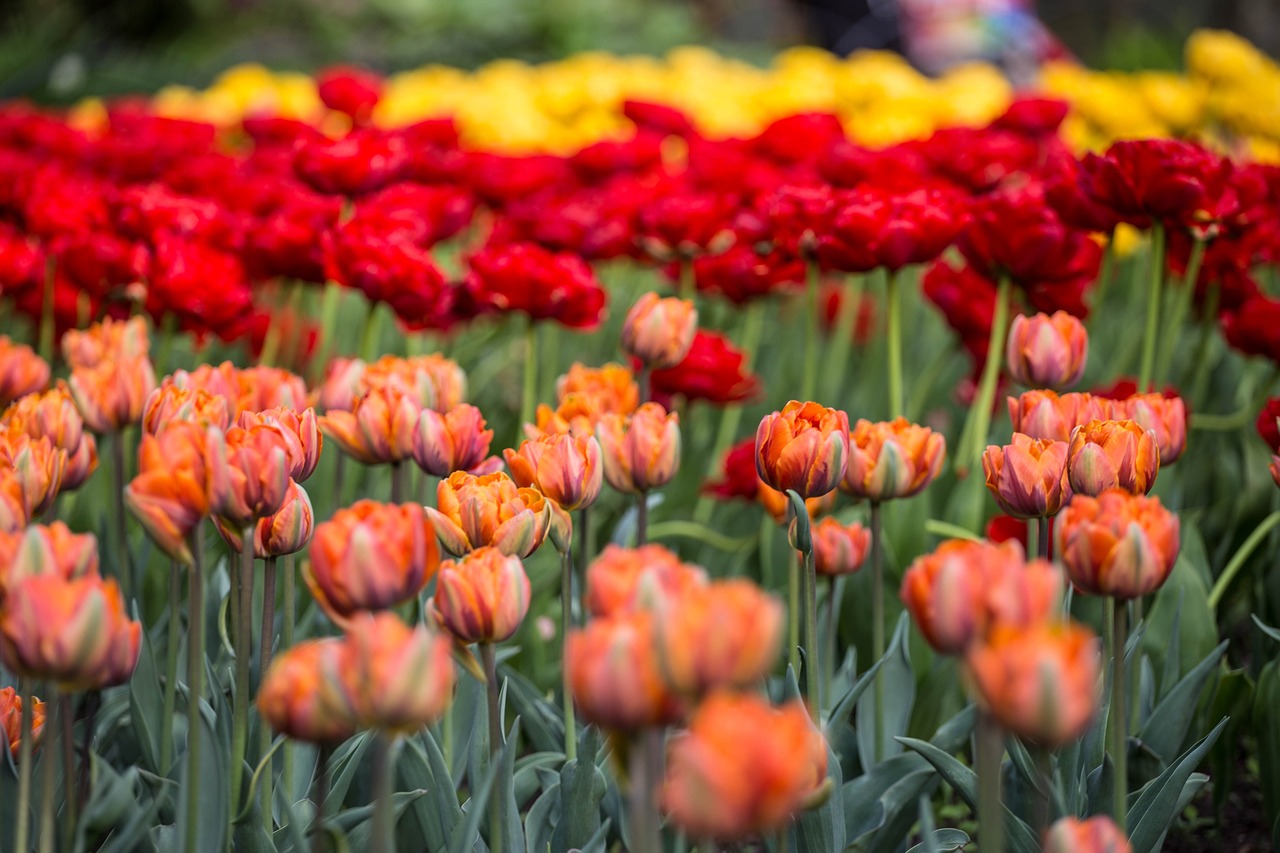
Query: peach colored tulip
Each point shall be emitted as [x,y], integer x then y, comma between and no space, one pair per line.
[343,385]
[1164,416]
[894,459]
[1052,417]
[13,506]
[110,340]
[610,389]
[111,395]
[839,549]
[454,441]
[724,634]
[483,597]
[659,331]
[1047,351]
[173,490]
[263,388]
[1117,544]
[640,451]
[22,372]
[300,431]
[250,472]
[490,510]
[394,678]
[286,531]
[221,380]
[53,414]
[804,447]
[11,720]
[1028,478]
[1107,454]
[38,466]
[295,699]
[566,468]
[434,381]
[171,402]
[1039,681]
[622,580]
[379,430]
[1098,834]
[614,676]
[46,550]
[778,505]
[743,768]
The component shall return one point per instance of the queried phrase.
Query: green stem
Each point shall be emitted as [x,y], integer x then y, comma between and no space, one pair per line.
[171,668]
[990,754]
[369,338]
[809,379]
[286,642]
[47,326]
[833,623]
[1152,330]
[320,797]
[1118,718]
[584,557]
[566,624]
[383,771]
[1241,556]
[845,331]
[490,660]
[1208,325]
[644,814]
[195,684]
[118,478]
[529,388]
[26,751]
[1105,274]
[1033,537]
[243,617]
[893,311]
[813,664]
[264,662]
[642,519]
[1046,543]
[67,747]
[793,612]
[688,285]
[877,620]
[329,304]
[973,438]
[397,482]
[1182,300]
[271,341]
[46,796]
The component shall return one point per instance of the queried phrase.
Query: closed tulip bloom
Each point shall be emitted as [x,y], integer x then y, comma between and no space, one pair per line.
[286,531]
[803,448]
[1118,544]
[1109,454]
[1040,682]
[622,580]
[778,505]
[1098,834]
[250,471]
[724,634]
[300,432]
[110,340]
[22,372]
[395,678]
[489,510]
[343,385]
[53,414]
[74,632]
[454,441]
[1028,478]
[1166,417]
[1274,467]
[614,676]
[379,430]
[370,556]
[13,508]
[1052,417]
[603,390]
[262,388]
[434,381]
[839,549]
[659,331]
[173,489]
[38,466]
[743,767]
[894,459]
[111,395]
[46,550]
[11,720]
[483,597]
[566,468]
[640,451]
[298,697]
[1047,350]
[171,402]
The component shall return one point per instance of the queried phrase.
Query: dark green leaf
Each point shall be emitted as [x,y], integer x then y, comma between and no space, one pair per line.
[943,841]
[583,786]
[1167,727]
[897,683]
[1157,803]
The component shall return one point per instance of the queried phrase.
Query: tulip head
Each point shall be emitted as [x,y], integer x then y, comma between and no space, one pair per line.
[483,597]
[109,340]
[13,507]
[37,466]
[395,678]
[300,433]
[249,468]
[1098,834]
[1165,417]
[1047,351]
[112,395]
[489,510]
[52,414]
[173,489]
[379,429]
[566,468]
[614,675]
[1109,454]
[454,441]
[1028,478]
[804,447]
[343,385]
[894,459]
[172,402]
[622,580]
[839,549]
[11,720]
[640,451]
[659,331]
[1117,544]
[46,550]
[1052,417]
[22,372]
[301,695]
[285,531]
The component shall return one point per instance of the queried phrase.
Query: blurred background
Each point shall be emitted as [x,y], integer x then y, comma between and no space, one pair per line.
[57,51]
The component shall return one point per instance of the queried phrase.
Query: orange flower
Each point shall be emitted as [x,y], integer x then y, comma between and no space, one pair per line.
[286,531]
[11,720]
[170,402]
[895,459]
[370,556]
[483,597]
[250,472]
[1164,416]
[743,767]
[565,468]
[1117,544]
[262,388]
[111,394]
[1039,681]
[1107,454]
[1028,478]
[110,340]
[379,430]
[173,490]
[724,634]
[51,550]
[222,380]
[13,507]
[74,632]
[343,385]
[659,331]
[475,512]
[454,441]
[778,505]
[53,414]
[1098,834]
[622,580]
[1050,417]
[393,677]
[614,676]
[610,389]
[22,372]
[640,451]
[300,432]
[963,590]
[1047,351]
[37,466]
[433,381]
[298,700]
[804,447]
[839,549]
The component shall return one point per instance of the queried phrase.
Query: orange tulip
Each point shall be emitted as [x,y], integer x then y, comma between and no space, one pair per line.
[894,459]
[565,468]
[724,634]
[1117,544]
[298,697]
[743,767]
[1098,834]
[1050,417]
[286,531]
[51,550]
[173,490]
[11,720]
[483,597]
[610,389]
[1166,417]
[250,472]
[475,512]
[1028,478]
[454,441]
[659,331]
[433,381]
[640,451]
[221,380]
[370,556]
[171,402]
[614,676]
[805,447]
[343,385]
[111,395]
[37,466]
[963,590]
[1107,454]
[623,580]
[22,372]
[110,340]
[300,432]
[778,505]
[1047,351]
[13,507]
[74,632]
[379,430]
[263,388]
[53,414]
[839,549]
[393,677]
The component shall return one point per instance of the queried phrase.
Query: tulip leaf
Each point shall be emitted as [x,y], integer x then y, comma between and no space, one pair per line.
[445,800]
[1266,725]
[841,732]
[822,829]
[211,835]
[248,835]
[543,724]
[945,840]
[1157,803]
[1172,652]
[468,830]
[584,787]
[344,764]
[542,821]
[1100,785]
[898,683]
[1167,727]
[145,704]
[356,823]
[505,785]
[1186,595]
[528,778]
[422,826]
[598,842]
[1273,633]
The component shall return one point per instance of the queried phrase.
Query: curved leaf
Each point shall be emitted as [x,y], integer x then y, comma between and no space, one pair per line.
[1157,804]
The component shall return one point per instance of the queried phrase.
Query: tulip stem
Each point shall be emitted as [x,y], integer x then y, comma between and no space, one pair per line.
[893,318]
[320,796]
[1033,537]
[1240,558]
[171,668]
[47,326]
[974,435]
[845,331]
[1105,273]
[1182,300]
[25,752]
[566,623]
[383,771]
[793,611]
[810,331]
[829,652]
[1208,325]
[642,519]
[243,590]
[369,338]
[50,777]
[584,555]
[1152,329]
[529,390]
[1046,543]
[490,660]
[990,753]
[645,832]
[330,301]
[286,642]
[67,746]
[1118,718]
[264,661]
[195,684]
[397,482]
[118,477]
[688,284]
[877,621]
[813,665]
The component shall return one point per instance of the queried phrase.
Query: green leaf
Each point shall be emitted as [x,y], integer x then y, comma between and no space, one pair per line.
[1184,595]
[898,684]
[467,831]
[211,835]
[1266,724]
[543,724]
[542,821]
[598,842]
[943,841]
[841,733]
[343,766]
[356,823]
[422,826]
[1157,804]
[1167,726]
[505,786]
[1273,633]
[528,778]
[446,804]
[583,786]
[145,704]
[822,830]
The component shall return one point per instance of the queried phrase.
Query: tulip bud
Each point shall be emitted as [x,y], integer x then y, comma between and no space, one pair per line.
[839,549]
[640,451]
[483,597]
[53,415]
[370,556]
[565,468]
[174,487]
[111,395]
[109,340]
[1047,351]
[658,331]
[454,441]
[1268,424]
[611,389]
[623,580]
[286,531]
[300,432]
[1165,417]
[22,372]
[13,508]
[1050,417]
[11,720]
[51,550]
[743,768]
[1117,544]
[614,675]
[171,402]
[1274,468]
[262,388]
[803,448]
[37,466]
[894,459]
[343,385]
[379,430]
[300,698]
[475,512]
[1109,454]
[395,678]
[249,471]
[1098,834]
[724,634]
[433,381]
[1028,478]
[1040,682]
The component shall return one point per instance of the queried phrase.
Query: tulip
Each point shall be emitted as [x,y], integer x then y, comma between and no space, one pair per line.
[300,433]
[53,414]
[743,767]
[286,531]
[610,389]
[1268,424]
[1166,417]
[174,487]
[724,634]
[895,459]
[1107,454]
[839,549]
[1040,682]
[349,90]
[74,632]
[1048,416]
[1274,468]
[13,507]
[37,466]
[51,550]
[249,468]
[370,556]
[1118,544]
[343,385]
[434,382]
[659,331]
[803,448]
[171,402]
[489,510]
[544,285]
[623,580]
[641,451]
[714,370]
[299,697]
[110,340]
[111,395]
[1047,351]
[454,441]
[483,597]
[393,677]
[565,468]
[614,675]
[778,505]
[1028,478]
[379,430]
[22,372]
[263,388]
[11,720]
[1098,834]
